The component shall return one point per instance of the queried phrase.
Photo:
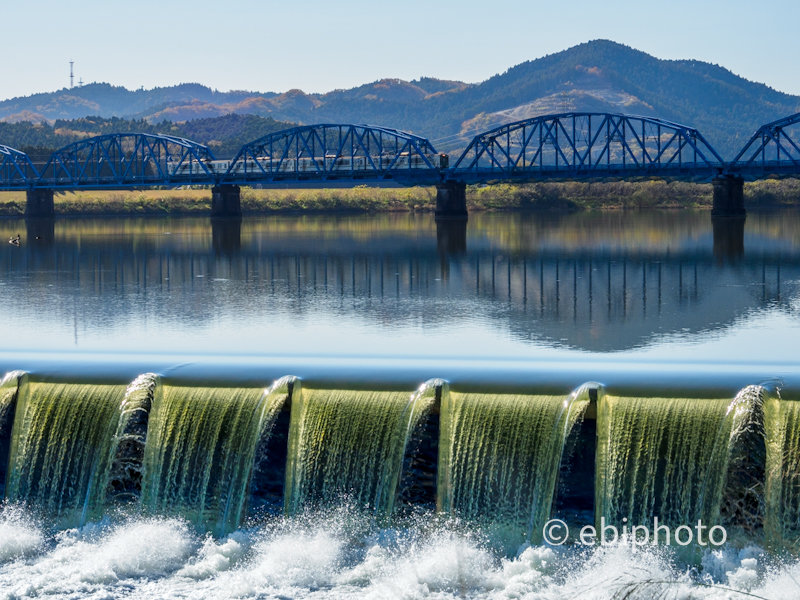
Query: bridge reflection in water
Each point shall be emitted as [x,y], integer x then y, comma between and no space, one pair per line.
[597,282]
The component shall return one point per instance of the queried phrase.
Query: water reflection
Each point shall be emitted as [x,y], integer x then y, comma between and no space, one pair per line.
[226,235]
[589,281]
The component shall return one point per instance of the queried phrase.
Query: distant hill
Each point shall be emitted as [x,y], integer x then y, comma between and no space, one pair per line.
[224,135]
[595,76]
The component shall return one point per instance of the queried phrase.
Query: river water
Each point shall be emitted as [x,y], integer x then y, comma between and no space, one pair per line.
[514,311]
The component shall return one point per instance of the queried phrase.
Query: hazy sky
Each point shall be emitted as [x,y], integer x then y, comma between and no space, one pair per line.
[318,45]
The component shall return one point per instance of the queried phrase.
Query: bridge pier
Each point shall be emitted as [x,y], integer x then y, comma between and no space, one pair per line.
[39,203]
[728,196]
[226,201]
[451,199]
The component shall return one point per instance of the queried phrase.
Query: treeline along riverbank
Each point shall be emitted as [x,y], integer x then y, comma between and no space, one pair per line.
[571,196]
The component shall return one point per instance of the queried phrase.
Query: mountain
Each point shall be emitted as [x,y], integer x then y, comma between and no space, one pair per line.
[225,135]
[596,76]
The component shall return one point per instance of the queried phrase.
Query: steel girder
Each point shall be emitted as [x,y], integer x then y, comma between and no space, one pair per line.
[16,169]
[588,145]
[770,150]
[334,152]
[128,160]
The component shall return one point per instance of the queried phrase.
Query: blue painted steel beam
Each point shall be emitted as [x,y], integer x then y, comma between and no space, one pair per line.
[335,153]
[128,160]
[569,146]
[16,169]
[771,151]
[587,146]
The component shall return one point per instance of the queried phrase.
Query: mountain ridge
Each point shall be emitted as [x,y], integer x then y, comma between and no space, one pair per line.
[597,76]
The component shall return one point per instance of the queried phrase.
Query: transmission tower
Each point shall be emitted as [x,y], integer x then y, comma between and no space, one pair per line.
[71,76]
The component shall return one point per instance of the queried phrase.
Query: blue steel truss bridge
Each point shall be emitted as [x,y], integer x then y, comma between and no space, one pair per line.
[562,147]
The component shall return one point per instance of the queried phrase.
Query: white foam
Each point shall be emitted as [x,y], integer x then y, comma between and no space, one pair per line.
[83,562]
[19,535]
[342,557]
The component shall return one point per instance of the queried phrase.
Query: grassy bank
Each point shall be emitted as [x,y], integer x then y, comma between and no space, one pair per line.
[539,196]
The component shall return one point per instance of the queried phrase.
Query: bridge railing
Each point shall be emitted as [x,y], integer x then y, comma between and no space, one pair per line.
[128,160]
[585,145]
[16,169]
[331,152]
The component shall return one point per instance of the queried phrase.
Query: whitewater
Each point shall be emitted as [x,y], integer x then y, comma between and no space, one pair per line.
[342,555]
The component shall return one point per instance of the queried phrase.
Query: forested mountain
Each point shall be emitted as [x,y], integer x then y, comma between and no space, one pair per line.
[595,76]
[224,135]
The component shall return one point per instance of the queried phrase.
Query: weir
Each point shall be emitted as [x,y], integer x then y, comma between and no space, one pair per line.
[682,460]
[200,451]
[499,457]
[350,444]
[218,455]
[782,494]
[60,447]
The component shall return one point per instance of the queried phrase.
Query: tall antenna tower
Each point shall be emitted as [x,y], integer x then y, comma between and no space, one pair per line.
[71,76]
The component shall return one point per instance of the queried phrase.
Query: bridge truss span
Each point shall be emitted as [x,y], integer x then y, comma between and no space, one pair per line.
[16,169]
[328,153]
[773,150]
[123,160]
[588,145]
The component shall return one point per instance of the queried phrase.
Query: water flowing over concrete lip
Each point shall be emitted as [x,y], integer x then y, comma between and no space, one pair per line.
[708,379]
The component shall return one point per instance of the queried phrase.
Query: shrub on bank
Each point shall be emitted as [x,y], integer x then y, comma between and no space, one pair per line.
[535,196]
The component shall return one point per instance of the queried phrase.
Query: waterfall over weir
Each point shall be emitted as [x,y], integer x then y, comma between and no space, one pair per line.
[200,451]
[499,458]
[61,446]
[782,525]
[217,457]
[351,444]
[681,460]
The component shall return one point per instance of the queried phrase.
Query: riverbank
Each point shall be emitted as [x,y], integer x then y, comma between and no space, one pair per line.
[538,196]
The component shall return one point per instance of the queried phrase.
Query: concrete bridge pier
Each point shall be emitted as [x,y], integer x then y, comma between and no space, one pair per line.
[39,203]
[728,196]
[226,201]
[451,199]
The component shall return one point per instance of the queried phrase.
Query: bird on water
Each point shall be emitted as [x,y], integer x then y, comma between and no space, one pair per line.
[14,240]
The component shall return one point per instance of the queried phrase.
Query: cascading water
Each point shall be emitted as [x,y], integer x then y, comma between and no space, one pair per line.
[782,523]
[61,446]
[345,443]
[8,402]
[678,459]
[742,506]
[200,450]
[124,478]
[499,457]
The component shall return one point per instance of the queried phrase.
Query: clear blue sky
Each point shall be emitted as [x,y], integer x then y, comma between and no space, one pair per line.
[318,45]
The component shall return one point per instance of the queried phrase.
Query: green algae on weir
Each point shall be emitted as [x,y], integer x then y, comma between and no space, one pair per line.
[78,450]
[782,494]
[499,458]
[346,444]
[680,460]
[200,450]
[60,446]
[8,403]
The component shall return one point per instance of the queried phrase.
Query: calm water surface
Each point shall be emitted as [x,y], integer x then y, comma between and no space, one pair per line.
[400,297]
